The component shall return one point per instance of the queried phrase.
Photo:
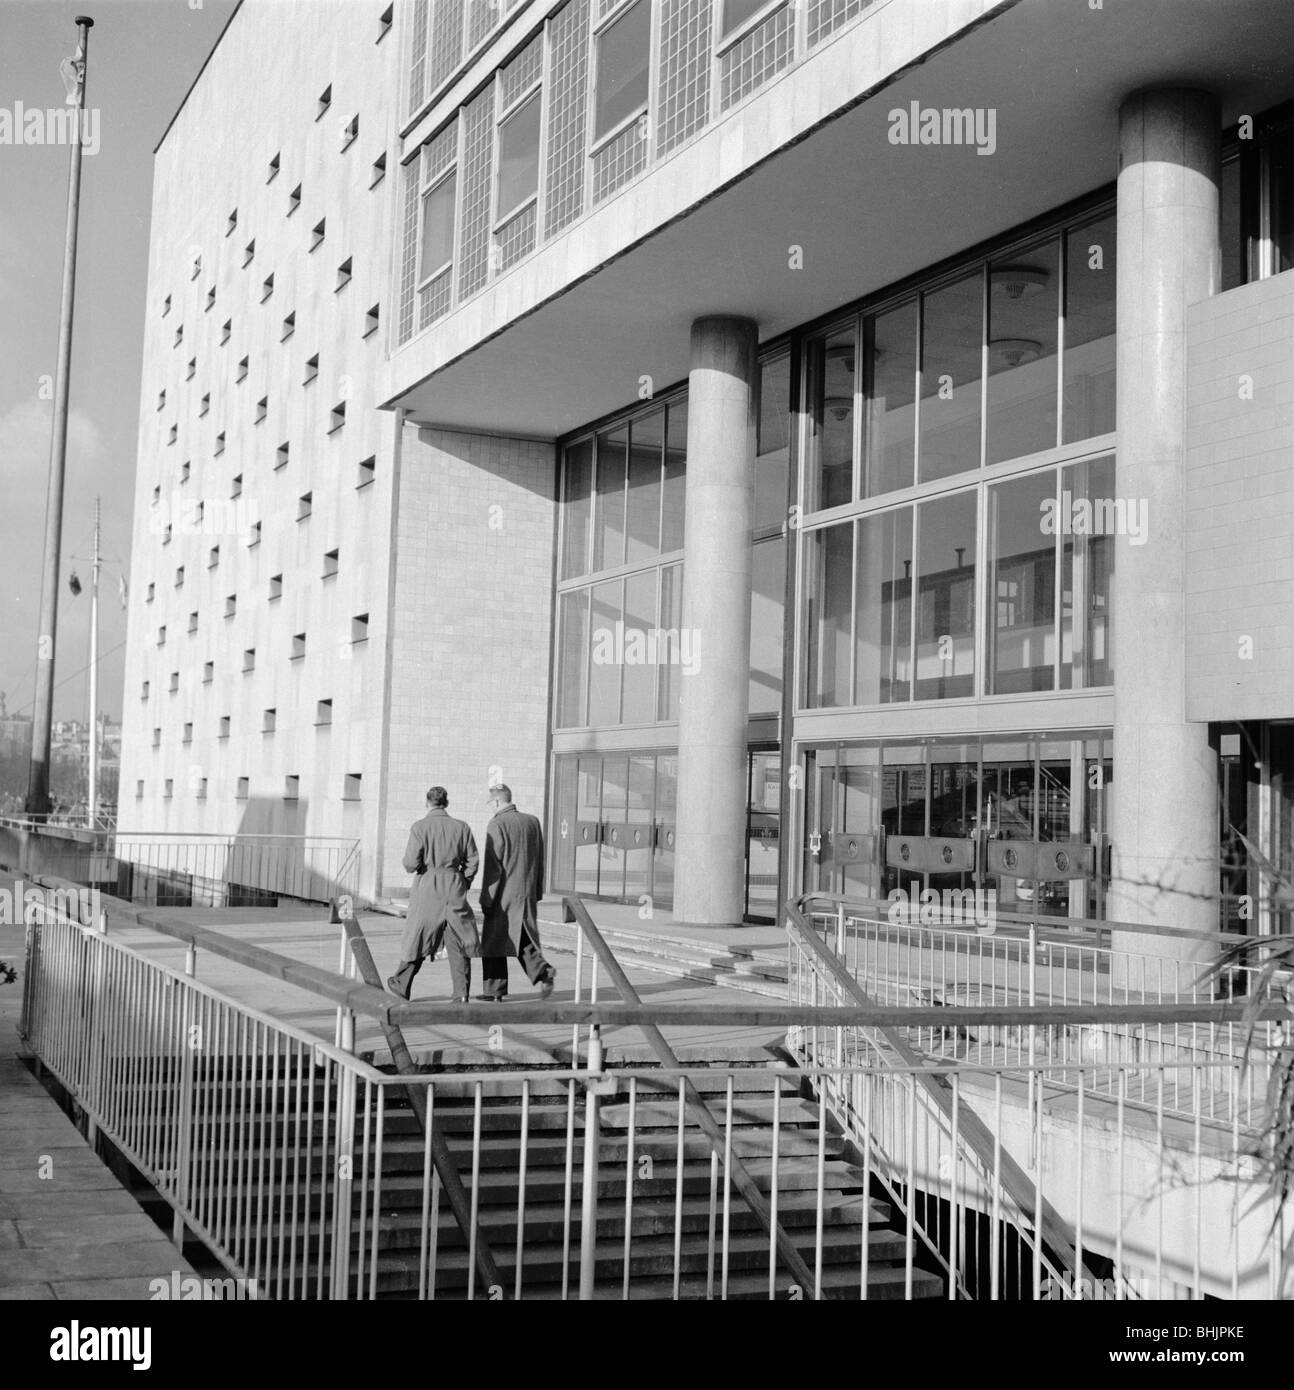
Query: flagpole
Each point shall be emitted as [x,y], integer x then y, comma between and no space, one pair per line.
[47,630]
[92,800]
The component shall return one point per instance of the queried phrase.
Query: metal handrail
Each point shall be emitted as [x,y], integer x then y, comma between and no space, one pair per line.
[666,1057]
[987,1149]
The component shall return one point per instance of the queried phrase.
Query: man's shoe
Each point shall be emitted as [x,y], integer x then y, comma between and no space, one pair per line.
[459,999]
[548,983]
[395,988]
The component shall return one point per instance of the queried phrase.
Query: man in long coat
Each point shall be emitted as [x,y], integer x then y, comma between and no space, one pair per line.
[511,887]
[442,853]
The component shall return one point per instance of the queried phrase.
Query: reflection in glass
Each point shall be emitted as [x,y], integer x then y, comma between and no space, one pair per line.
[833,374]
[953,334]
[588,815]
[562,834]
[642,527]
[1024,310]
[904,783]
[891,420]
[638,815]
[945,656]
[763,834]
[669,675]
[768,594]
[666,815]
[883,626]
[857,818]
[773,451]
[1233,240]
[1087,577]
[1090,264]
[830,604]
[572,654]
[675,477]
[609,517]
[605,666]
[639,697]
[1022,637]
[579,485]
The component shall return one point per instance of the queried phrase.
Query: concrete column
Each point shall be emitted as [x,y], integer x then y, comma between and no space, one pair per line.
[709,886]
[1164,814]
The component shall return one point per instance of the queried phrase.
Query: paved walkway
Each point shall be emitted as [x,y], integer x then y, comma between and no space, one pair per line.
[68,1228]
[304,934]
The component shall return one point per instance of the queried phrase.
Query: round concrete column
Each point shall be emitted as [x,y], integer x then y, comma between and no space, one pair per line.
[709,875]
[1164,813]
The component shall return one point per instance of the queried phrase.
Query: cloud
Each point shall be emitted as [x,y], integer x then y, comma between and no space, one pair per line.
[24,454]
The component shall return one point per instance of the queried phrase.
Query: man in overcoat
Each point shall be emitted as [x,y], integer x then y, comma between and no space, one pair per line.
[442,854]
[511,886]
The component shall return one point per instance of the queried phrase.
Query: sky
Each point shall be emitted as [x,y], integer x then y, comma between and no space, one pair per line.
[143,56]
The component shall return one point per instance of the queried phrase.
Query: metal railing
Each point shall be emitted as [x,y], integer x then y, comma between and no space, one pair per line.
[307,1170]
[954,967]
[161,869]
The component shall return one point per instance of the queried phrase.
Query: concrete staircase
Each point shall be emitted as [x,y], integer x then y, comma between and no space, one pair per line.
[848,1215]
[758,970]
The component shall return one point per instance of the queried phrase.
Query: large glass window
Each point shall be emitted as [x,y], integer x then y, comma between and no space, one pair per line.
[952,333]
[609,505]
[518,177]
[437,248]
[1022,628]
[1088,404]
[623,55]
[606,662]
[767,601]
[772,452]
[572,652]
[737,12]
[577,509]
[945,616]
[832,362]
[671,537]
[1280,176]
[1087,499]
[671,619]
[883,595]
[642,649]
[1024,316]
[642,512]
[891,340]
[830,615]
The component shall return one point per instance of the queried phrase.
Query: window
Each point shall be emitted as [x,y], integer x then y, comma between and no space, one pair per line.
[208,672]
[325,101]
[371,320]
[437,249]
[276,586]
[191,370]
[267,288]
[188,734]
[157,495]
[254,535]
[186,468]
[312,370]
[204,404]
[243,369]
[236,487]
[161,635]
[294,200]
[281,455]
[330,563]
[173,434]
[232,223]
[139,789]
[518,175]
[161,400]
[273,170]
[220,444]
[179,336]
[196,269]
[623,56]
[249,659]
[337,417]
[166,534]
[305,504]
[262,409]
[179,577]
[143,691]
[268,720]
[244,788]
[211,300]
[291,787]
[298,646]
[166,306]
[193,622]
[378,170]
[736,13]
[317,233]
[384,23]
[201,791]
[231,605]
[249,253]
[367,471]
[213,557]
[349,132]
[344,274]
[148,595]
[157,738]
[168,788]
[350,787]
[323,713]
[359,628]
[226,331]
[289,326]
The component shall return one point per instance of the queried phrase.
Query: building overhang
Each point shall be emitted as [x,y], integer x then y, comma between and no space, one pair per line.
[783,216]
